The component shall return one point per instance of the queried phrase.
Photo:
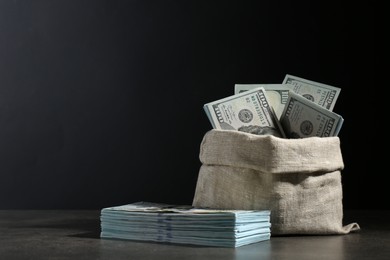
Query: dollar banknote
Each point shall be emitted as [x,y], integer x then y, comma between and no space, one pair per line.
[321,94]
[249,111]
[303,118]
[277,94]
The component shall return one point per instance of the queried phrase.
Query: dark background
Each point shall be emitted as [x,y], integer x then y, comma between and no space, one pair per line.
[101,102]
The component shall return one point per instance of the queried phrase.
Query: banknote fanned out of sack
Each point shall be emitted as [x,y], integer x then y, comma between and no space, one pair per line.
[304,118]
[277,94]
[322,94]
[157,222]
[249,111]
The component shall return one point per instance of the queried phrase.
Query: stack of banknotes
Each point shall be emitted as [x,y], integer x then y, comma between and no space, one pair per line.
[156,222]
[295,108]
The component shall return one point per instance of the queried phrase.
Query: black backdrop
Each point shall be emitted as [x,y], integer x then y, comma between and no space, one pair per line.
[101,102]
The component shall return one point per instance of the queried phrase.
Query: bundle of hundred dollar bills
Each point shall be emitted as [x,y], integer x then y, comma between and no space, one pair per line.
[296,108]
[157,222]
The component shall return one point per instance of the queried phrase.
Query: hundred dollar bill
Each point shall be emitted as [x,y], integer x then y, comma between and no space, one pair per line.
[249,111]
[277,94]
[303,118]
[321,94]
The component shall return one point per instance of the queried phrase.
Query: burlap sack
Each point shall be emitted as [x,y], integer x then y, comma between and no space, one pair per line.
[299,180]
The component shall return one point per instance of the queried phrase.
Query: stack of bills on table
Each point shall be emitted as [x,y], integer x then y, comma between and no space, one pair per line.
[156,222]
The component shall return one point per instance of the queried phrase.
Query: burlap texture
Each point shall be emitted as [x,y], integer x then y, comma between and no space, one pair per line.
[299,180]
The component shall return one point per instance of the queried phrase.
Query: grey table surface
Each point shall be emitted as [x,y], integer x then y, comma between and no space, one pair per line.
[75,234]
